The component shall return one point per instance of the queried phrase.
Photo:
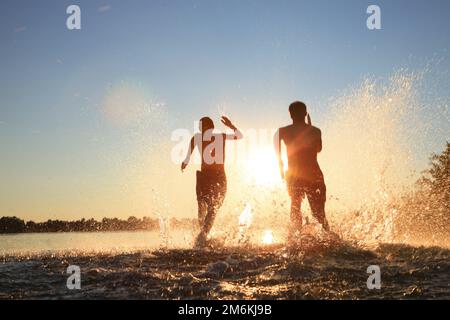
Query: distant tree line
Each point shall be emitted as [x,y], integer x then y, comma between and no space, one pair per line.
[16,225]
[436,179]
[428,208]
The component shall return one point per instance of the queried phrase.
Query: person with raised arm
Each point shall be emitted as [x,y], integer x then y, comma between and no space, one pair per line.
[211,186]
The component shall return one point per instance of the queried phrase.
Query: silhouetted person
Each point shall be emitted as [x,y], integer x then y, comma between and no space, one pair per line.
[211,179]
[304,177]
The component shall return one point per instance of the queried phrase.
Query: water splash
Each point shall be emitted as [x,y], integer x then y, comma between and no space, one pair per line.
[245,221]
[267,237]
[164,231]
[373,142]
[376,136]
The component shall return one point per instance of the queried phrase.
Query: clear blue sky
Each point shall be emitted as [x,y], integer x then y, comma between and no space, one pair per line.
[188,54]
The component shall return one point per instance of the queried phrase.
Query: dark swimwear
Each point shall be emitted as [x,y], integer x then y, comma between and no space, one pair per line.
[211,187]
[315,191]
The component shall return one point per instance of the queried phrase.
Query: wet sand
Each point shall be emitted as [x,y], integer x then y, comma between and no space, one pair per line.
[333,272]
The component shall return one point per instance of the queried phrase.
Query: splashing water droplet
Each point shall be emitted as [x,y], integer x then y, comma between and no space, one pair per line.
[245,220]
[268,237]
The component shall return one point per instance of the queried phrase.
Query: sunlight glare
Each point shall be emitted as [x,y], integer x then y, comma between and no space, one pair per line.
[262,167]
[268,238]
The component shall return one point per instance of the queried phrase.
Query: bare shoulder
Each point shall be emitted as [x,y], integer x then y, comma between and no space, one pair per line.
[197,137]
[285,129]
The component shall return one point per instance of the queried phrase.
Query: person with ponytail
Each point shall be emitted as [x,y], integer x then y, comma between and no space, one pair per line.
[304,177]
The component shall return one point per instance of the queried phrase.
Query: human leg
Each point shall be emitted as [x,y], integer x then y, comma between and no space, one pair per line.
[317,198]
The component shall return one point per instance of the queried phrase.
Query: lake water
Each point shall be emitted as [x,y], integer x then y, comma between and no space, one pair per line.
[323,270]
[38,243]
[126,265]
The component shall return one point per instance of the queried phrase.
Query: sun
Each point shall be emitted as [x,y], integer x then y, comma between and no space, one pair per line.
[261,167]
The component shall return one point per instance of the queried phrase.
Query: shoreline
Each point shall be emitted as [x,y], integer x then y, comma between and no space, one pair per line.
[233,273]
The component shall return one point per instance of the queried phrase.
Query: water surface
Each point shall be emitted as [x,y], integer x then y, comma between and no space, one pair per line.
[39,243]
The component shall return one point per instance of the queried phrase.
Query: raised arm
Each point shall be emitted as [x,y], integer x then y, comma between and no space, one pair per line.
[277,138]
[188,155]
[237,134]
